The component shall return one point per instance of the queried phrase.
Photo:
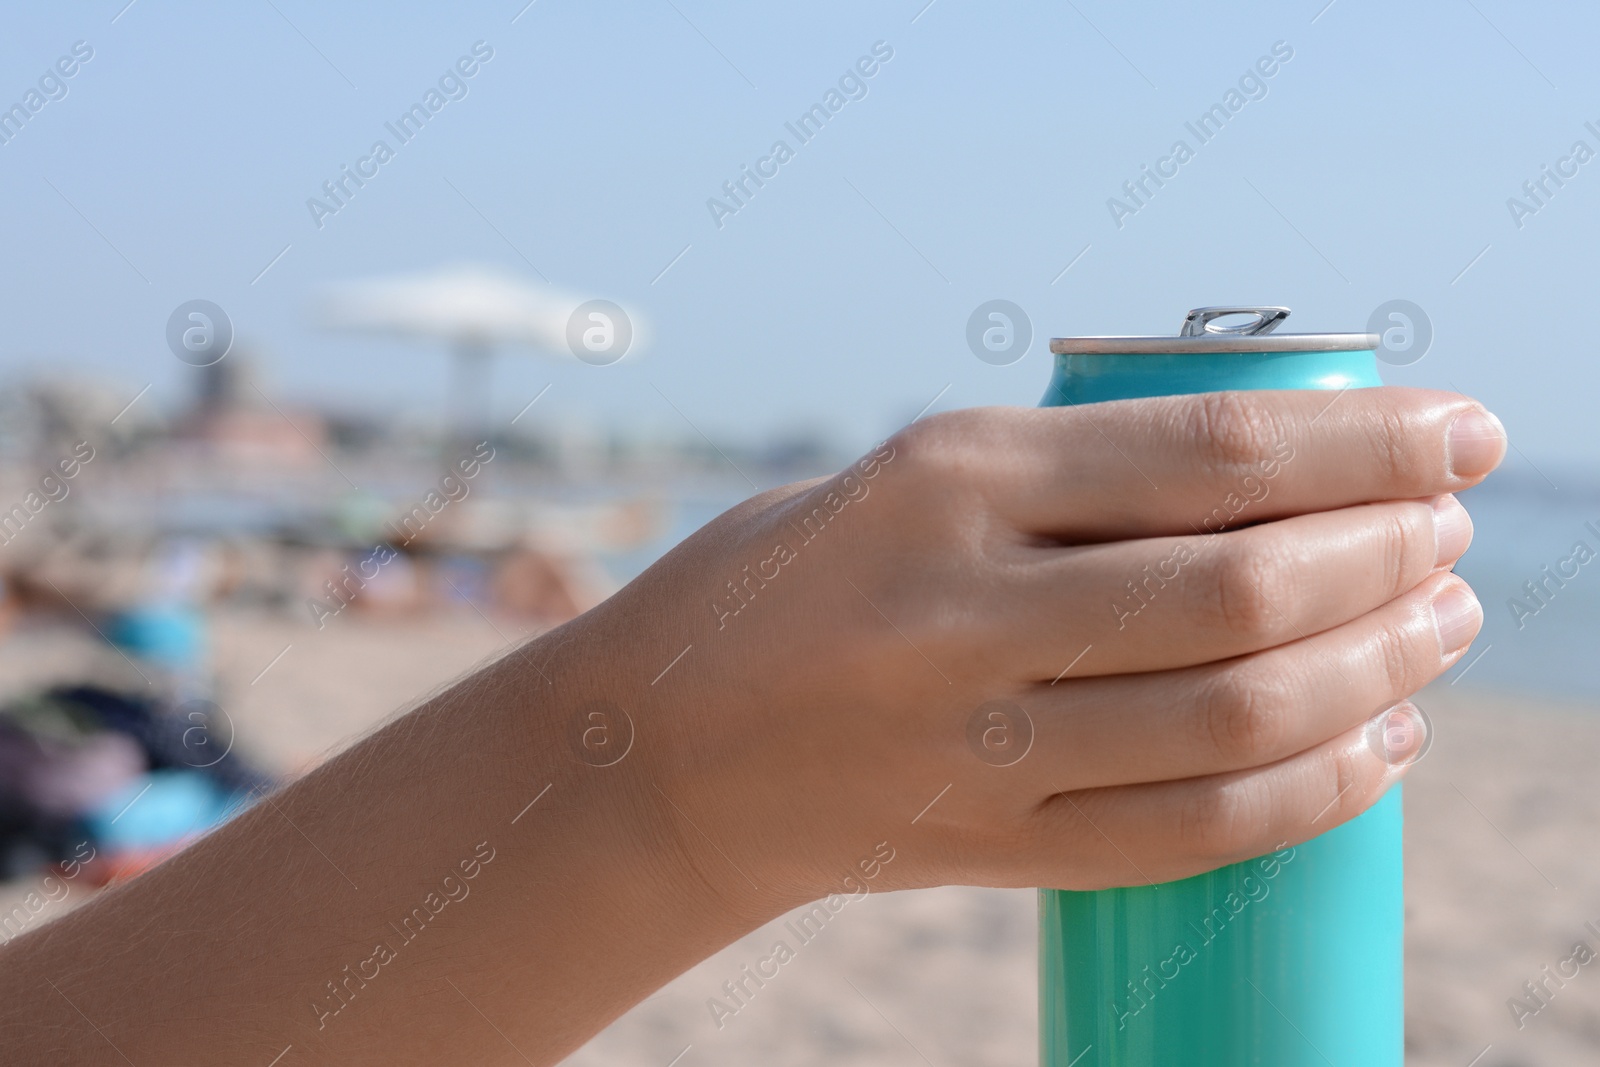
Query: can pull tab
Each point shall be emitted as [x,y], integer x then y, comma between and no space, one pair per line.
[1198,322]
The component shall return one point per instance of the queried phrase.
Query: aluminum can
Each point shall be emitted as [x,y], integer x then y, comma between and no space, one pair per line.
[1293,959]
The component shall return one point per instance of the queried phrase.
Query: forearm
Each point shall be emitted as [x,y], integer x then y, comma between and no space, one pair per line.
[404,903]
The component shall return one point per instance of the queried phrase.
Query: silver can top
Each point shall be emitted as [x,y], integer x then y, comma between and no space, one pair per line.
[1201,333]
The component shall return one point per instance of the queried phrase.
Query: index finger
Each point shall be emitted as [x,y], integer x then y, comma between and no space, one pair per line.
[1209,462]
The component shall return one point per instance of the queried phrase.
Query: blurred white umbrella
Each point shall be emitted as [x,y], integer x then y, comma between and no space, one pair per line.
[474,309]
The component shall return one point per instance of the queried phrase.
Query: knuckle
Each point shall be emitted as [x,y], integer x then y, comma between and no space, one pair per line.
[912,446]
[1245,716]
[1408,549]
[1393,656]
[1395,539]
[1395,447]
[1341,795]
[1249,586]
[1222,820]
[939,447]
[936,495]
[1232,429]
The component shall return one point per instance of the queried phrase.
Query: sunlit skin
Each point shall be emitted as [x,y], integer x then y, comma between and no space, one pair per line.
[791,689]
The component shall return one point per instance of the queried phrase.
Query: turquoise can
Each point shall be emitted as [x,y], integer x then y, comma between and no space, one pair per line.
[1293,959]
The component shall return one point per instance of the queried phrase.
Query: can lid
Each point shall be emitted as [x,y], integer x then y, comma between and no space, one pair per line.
[1201,333]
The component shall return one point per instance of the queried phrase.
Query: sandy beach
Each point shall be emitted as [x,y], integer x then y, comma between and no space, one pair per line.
[1500,818]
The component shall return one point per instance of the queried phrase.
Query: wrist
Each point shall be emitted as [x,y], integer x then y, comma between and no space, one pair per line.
[618,756]
[635,736]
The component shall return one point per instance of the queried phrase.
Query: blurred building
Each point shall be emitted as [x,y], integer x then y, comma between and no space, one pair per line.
[234,420]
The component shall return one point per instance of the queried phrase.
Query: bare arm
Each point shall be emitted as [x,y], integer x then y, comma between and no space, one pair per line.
[755,722]
[370,912]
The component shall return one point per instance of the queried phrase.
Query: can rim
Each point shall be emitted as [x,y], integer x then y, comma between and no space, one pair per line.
[1173,346]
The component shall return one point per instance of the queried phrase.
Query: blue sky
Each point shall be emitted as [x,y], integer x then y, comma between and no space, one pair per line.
[977,165]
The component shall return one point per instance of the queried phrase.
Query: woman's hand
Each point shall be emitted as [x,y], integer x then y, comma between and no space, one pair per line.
[1078,648]
[1069,647]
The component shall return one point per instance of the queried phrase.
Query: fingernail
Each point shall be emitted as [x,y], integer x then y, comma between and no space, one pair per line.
[1477,443]
[1400,735]
[1456,616]
[1452,530]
